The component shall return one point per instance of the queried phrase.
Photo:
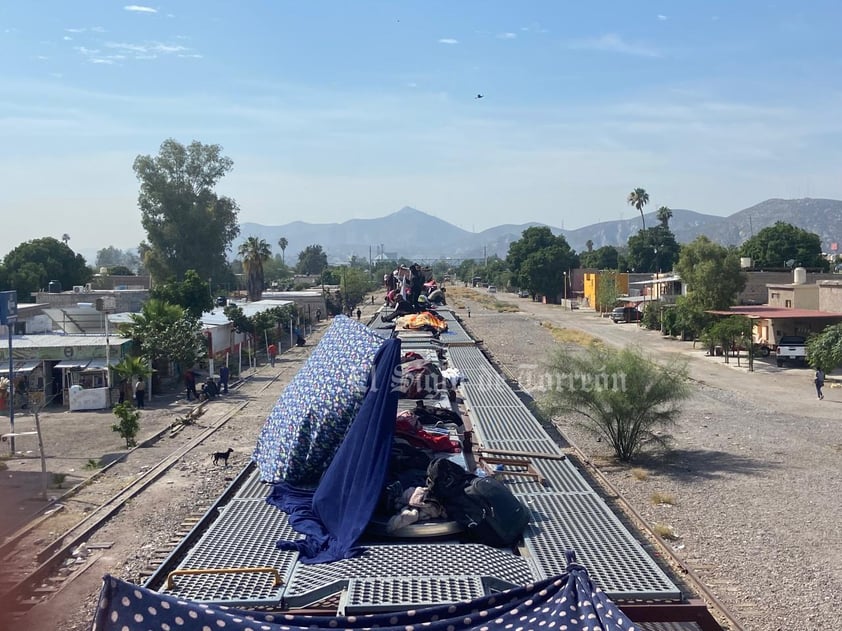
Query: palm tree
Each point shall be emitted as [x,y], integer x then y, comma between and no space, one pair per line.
[126,369]
[65,237]
[664,216]
[589,245]
[639,198]
[283,243]
[254,251]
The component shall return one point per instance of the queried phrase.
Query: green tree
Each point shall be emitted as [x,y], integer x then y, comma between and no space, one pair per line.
[188,225]
[622,395]
[775,246]
[283,243]
[825,349]
[353,286]
[664,215]
[164,331]
[538,261]
[33,264]
[129,423]
[653,250]
[192,294]
[605,257]
[728,332]
[254,252]
[112,257]
[639,198]
[311,260]
[607,293]
[129,367]
[712,274]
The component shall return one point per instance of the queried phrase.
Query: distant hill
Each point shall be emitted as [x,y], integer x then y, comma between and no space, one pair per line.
[414,234]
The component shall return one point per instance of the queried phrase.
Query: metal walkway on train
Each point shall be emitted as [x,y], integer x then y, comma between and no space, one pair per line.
[567,513]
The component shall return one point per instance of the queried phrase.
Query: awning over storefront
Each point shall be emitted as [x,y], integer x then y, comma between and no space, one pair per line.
[77,364]
[97,364]
[25,366]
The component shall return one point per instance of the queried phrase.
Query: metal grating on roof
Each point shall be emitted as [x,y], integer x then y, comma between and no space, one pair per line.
[561,476]
[404,564]
[243,536]
[366,595]
[254,487]
[584,523]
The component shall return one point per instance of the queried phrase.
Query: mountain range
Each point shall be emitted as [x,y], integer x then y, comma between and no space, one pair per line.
[416,235]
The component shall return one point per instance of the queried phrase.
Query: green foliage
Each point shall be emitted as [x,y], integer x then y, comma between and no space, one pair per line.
[729,332]
[690,320]
[283,243]
[602,258]
[664,215]
[607,293]
[538,261]
[712,273]
[652,250]
[775,245]
[254,252]
[92,465]
[188,226]
[115,259]
[353,287]
[651,318]
[33,264]
[623,396]
[639,198]
[239,320]
[166,331]
[128,424]
[191,294]
[825,349]
[311,260]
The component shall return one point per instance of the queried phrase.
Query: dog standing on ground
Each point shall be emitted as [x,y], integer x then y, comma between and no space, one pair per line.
[222,456]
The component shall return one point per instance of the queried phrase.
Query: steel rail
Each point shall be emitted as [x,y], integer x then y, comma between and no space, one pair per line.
[98,518]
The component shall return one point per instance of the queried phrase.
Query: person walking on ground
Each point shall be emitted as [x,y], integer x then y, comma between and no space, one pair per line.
[190,384]
[273,351]
[224,373]
[819,380]
[359,314]
[139,392]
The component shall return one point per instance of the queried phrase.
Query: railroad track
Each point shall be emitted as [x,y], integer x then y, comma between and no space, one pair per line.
[32,572]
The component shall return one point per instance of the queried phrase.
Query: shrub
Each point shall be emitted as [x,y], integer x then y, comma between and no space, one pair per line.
[622,395]
[129,424]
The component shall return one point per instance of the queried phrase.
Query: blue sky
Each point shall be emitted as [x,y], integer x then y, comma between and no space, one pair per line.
[340,110]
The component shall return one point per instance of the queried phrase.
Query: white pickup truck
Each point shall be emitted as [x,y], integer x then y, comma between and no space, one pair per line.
[791,348]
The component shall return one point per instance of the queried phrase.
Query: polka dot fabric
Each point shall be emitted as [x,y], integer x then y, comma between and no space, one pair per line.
[566,603]
[312,415]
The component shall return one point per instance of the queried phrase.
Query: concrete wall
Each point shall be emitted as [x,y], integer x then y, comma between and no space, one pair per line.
[830,296]
[793,296]
[128,300]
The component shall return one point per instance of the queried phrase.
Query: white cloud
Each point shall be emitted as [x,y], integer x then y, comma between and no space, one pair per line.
[97,29]
[151,50]
[75,30]
[448,40]
[136,8]
[67,38]
[506,35]
[613,43]
[662,17]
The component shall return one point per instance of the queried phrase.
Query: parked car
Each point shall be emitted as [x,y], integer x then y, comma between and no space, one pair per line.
[523,293]
[625,314]
[492,289]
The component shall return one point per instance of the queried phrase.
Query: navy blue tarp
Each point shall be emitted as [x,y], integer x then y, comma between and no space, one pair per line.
[334,516]
[569,601]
